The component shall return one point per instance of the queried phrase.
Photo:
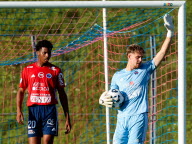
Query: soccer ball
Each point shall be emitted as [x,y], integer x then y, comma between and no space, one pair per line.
[116,96]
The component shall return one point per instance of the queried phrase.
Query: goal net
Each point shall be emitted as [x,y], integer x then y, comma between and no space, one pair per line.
[77,36]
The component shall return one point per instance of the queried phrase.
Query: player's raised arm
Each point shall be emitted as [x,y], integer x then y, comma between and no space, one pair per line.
[168,23]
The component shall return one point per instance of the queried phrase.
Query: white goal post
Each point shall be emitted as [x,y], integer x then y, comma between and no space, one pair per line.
[181,5]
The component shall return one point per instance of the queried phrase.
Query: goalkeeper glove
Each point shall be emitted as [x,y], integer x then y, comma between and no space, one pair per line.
[106,100]
[168,23]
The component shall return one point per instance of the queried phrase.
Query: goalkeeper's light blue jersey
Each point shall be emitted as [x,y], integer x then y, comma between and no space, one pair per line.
[134,87]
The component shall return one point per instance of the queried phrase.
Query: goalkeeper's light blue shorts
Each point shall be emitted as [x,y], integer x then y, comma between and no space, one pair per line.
[131,130]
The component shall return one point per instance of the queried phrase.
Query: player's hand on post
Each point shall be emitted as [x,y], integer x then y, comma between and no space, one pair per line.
[106,100]
[168,23]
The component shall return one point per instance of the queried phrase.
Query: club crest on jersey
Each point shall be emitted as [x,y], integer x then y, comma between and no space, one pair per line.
[48,75]
[136,72]
[41,75]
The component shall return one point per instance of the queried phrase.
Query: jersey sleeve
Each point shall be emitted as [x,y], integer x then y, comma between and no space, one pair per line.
[113,82]
[23,79]
[60,78]
[150,66]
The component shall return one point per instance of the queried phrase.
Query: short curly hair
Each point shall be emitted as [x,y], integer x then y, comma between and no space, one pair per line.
[43,43]
[134,48]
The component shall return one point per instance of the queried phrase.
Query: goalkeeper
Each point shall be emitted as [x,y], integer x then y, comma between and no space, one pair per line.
[132,118]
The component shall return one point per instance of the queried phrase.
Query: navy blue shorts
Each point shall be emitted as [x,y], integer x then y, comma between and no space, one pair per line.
[42,120]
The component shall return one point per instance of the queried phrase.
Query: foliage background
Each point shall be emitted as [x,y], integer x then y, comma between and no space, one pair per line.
[189,69]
